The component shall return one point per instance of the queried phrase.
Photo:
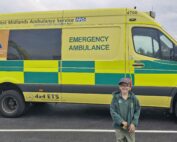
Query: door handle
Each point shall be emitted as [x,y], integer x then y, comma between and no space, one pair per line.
[138,65]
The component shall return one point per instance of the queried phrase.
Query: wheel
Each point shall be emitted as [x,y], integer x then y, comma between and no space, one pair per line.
[12,104]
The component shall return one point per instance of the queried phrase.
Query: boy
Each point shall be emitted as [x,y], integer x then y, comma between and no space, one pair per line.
[125,112]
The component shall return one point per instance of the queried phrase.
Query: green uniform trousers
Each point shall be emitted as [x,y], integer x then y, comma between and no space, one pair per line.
[124,136]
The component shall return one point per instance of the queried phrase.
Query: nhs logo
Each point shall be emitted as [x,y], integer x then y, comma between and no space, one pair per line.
[80,19]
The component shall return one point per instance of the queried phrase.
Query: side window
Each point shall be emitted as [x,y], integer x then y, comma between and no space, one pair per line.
[153,43]
[146,42]
[40,44]
[166,47]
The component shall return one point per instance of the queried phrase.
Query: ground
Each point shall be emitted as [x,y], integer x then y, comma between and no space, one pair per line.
[83,123]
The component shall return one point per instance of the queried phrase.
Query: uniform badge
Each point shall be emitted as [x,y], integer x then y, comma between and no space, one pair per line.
[120,101]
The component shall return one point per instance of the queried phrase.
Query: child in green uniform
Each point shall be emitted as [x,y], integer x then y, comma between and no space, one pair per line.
[125,112]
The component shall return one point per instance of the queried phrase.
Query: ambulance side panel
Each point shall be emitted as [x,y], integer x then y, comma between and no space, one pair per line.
[93,61]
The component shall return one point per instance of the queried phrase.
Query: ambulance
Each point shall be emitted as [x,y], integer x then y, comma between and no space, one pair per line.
[78,56]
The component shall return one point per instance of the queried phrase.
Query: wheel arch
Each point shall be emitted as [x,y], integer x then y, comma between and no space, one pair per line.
[10,86]
[173,100]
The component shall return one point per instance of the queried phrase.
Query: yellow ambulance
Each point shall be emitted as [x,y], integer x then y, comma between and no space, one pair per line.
[78,56]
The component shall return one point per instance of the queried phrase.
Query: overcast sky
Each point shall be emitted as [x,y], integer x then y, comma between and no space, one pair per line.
[166,10]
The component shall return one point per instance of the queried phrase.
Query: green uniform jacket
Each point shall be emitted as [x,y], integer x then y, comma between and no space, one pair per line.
[133,110]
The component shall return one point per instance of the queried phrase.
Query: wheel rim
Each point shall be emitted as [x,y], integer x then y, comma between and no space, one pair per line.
[9,104]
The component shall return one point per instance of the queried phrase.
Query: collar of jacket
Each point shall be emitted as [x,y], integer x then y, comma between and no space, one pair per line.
[117,94]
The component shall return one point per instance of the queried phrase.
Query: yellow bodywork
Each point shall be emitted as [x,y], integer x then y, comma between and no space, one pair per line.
[110,31]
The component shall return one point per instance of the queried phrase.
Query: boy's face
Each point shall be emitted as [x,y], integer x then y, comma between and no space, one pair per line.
[124,88]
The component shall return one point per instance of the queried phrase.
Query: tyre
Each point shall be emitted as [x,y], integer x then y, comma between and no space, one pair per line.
[12,103]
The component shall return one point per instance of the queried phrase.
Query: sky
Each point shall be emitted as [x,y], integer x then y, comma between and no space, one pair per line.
[166,10]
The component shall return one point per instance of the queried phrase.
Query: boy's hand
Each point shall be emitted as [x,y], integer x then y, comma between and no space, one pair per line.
[131,128]
[125,125]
